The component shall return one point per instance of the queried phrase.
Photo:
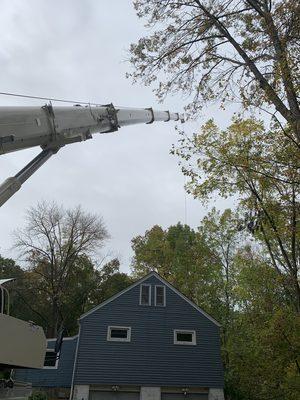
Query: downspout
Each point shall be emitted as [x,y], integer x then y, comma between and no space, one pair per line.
[75,364]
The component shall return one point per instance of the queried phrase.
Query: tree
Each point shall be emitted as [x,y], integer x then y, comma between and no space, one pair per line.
[223,50]
[9,269]
[220,233]
[264,336]
[246,50]
[109,282]
[198,263]
[183,258]
[57,245]
[88,286]
[233,278]
[262,171]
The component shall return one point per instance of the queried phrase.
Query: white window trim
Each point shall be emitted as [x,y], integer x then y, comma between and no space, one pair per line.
[160,305]
[149,286]
[56,363]
[192,343]
[110,339]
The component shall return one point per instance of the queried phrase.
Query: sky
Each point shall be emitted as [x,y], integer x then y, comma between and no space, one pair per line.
[78,49]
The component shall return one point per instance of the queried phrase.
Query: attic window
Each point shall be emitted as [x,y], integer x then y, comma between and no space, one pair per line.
[184,337]
[160,296]
[51,359]
[145,295]
[119,333]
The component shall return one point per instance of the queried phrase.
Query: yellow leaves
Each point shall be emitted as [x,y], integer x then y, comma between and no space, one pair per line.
[258,167]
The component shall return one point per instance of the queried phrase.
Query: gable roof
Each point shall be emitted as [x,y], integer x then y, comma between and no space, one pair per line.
[165,282]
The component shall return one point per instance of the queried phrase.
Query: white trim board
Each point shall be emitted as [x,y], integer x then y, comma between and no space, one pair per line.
[64,339]
[56,361]
[109,338]
[155,274]
[75,364]
[185,343]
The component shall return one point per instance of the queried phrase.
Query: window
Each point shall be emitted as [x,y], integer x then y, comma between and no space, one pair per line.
[184,337]
[160,296]
[145,295]
[119,333]
[51,359]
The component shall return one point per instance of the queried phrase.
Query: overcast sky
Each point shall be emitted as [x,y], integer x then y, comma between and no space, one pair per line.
[76,49]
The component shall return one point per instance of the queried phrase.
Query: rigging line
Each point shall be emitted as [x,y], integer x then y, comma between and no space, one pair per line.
[47,98]
[185,201]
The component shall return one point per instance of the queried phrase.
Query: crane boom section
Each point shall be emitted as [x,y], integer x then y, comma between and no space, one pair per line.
[53,127]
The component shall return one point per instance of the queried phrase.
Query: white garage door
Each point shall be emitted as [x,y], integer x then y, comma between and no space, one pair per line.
[97,395]
[180,396]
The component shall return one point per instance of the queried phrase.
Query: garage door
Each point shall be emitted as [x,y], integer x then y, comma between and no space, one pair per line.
[180,396]
[97,395]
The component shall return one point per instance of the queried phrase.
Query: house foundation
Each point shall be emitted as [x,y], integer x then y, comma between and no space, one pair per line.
[150,393]
[215,394]
[81,392]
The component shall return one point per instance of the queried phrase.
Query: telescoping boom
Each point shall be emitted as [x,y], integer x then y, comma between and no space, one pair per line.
[51,128]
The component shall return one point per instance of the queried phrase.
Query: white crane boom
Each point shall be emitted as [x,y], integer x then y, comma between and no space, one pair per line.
[54,127]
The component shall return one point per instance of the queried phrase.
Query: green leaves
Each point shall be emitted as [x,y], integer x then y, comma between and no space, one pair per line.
[260,168]
[229,275]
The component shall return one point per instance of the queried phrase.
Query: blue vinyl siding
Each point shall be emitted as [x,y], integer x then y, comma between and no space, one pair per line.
[150,358]
[60,377]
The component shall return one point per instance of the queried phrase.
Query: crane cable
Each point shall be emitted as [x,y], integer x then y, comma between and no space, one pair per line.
[48,98]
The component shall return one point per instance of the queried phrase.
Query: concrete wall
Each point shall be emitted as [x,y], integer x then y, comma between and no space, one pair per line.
[150,393]
[215,394]
[81,392]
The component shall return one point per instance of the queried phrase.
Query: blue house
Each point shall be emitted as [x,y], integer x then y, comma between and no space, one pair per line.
[148,342]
